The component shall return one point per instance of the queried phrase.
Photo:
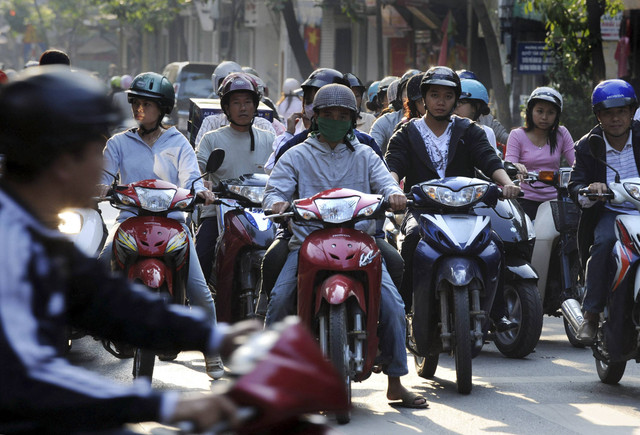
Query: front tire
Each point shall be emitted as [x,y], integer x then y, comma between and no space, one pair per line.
[524,307]
[339,350]
[426,366]
[610,373]
[462,347]
[143,361]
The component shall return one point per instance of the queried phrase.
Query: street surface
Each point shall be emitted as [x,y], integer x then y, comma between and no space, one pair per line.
[554,390]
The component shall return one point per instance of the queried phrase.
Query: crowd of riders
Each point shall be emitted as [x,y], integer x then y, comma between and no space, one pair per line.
[330,130]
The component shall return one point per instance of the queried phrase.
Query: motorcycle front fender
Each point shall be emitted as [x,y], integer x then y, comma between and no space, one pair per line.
[150,272]
[518,268]
[459,271]
[337,289]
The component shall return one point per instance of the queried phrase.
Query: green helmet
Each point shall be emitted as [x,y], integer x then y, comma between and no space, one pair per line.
[153,86]
[115,82]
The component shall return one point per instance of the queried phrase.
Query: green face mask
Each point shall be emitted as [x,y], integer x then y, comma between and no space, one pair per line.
[333,130]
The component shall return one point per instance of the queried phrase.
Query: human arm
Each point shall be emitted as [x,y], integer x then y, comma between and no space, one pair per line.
[567,145]
[277,145]
[382,181]
[514,151]
[188,168]
[398,153]
[282,184]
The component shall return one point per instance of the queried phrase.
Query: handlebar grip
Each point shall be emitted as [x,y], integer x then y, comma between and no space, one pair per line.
[592,195]
[268,211]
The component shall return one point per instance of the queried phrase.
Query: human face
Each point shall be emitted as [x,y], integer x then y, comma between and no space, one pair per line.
[335,113]
[465,109]
[146,112]
[615,121]
[420,106]
[358,94]
[241,109]
[439,100]
[544,115]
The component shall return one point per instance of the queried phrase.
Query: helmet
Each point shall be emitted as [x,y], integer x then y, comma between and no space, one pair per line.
[335,95]
[222,70]
[473,90]
[392,90]
[385,82]
[115,81]
[410,73]
[125,81]
[235,82]
[290,86]
[324,76]
[545,94]
[373,90]
[466,74]
[66,107]
[153,86]
[613,93]
[413,87]
[354,82]
[249,70]
[443,76]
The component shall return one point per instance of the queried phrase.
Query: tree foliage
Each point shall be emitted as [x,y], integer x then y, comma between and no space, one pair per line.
[574,41]
[147,14]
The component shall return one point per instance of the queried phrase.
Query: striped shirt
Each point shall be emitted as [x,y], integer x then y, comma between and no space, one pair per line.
[624,161]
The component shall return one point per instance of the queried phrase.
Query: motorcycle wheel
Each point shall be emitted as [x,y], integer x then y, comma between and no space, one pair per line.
[339,350]
[612,372]
[143,361]
[426,366]
[524,307]
[462,331]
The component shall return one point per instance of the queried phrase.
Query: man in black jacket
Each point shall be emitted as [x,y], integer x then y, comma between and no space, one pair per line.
[53,123]
[616,141]
[441,145]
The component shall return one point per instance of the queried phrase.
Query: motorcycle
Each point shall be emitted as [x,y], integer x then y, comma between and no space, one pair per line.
[555,253]
[244,236]
[152,248]
[279,377]
[339,279]
[468,251]
[617,340]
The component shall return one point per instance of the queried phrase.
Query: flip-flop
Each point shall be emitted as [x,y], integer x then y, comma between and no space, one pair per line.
[409,401]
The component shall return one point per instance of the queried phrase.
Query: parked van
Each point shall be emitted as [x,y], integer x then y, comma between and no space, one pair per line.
[190,80]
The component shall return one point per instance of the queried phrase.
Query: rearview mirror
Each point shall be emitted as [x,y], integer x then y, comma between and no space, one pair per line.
[215,160]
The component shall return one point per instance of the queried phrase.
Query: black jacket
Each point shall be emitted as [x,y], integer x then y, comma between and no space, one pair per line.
[586,170]
[468,149]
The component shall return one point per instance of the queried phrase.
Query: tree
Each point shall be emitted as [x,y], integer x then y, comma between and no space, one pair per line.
[574,41]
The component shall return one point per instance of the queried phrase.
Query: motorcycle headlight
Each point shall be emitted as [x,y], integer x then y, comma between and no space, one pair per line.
[252,193]
[337,210]
[463,197]
[124,199]
[70,222]
[633,189]
[155,200]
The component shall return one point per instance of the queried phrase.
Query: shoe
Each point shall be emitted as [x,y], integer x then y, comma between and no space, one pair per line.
[214,367]
[167,356]
[504,324]
[587,331]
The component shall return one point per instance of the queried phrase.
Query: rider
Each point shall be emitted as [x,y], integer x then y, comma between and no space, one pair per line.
[217,120]
[150,151]
[365,120]
[289,102]
[473,103]
[52,129]
[614,104]
[441,145]
[385,125]
[332,157]
[246,149]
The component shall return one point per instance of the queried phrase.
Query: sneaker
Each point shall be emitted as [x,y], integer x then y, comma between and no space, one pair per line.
[214,367]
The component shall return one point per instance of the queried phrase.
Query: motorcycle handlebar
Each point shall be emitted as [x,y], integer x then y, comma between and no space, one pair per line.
[594,195]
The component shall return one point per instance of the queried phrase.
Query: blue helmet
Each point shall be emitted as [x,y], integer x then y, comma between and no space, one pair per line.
[373,90]
[613,93]
[473,90]
[466,74]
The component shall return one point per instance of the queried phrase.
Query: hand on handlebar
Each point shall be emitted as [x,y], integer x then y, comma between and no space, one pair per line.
[397,201]
[280,207]
[600,189]
[510,191]
[102,190]
[522,171]
[207,196]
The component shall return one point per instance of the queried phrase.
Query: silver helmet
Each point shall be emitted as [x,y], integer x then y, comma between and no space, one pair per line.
[335,95]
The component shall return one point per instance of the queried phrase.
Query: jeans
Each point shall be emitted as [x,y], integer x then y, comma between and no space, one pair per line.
[206,240]
[597,273]
[197,290]
[392,325]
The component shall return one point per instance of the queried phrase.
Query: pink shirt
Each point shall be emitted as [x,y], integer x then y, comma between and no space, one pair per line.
[521,150]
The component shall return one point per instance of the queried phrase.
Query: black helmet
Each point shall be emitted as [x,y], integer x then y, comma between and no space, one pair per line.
[413,87]
[324,76]
[443,76]
[236,82]
[354,82]
[50,110]
[153,86]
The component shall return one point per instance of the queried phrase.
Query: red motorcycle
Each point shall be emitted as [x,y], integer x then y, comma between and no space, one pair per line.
[339,278]
[281,377]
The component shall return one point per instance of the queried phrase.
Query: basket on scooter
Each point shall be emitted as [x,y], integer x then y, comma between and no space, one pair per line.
[565,215]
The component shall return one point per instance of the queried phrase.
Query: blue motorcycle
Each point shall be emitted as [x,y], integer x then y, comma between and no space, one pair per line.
[460,263]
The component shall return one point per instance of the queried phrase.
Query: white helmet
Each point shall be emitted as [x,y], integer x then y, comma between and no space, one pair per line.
[222,70]
[290,86]
[546,94]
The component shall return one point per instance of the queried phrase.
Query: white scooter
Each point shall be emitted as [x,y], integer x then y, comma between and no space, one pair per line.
[555,253]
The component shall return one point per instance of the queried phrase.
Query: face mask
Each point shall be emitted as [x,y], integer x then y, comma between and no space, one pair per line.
[308,111]
[333,130]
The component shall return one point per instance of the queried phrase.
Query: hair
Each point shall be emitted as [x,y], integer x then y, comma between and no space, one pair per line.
[53,56]
[553,131]
[410,109]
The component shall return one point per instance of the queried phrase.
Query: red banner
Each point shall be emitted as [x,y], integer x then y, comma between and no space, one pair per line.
[312,44]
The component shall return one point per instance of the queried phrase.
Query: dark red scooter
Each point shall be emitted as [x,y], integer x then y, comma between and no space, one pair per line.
[339,278]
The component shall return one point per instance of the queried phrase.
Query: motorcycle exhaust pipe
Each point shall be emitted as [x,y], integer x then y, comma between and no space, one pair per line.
[572,311]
